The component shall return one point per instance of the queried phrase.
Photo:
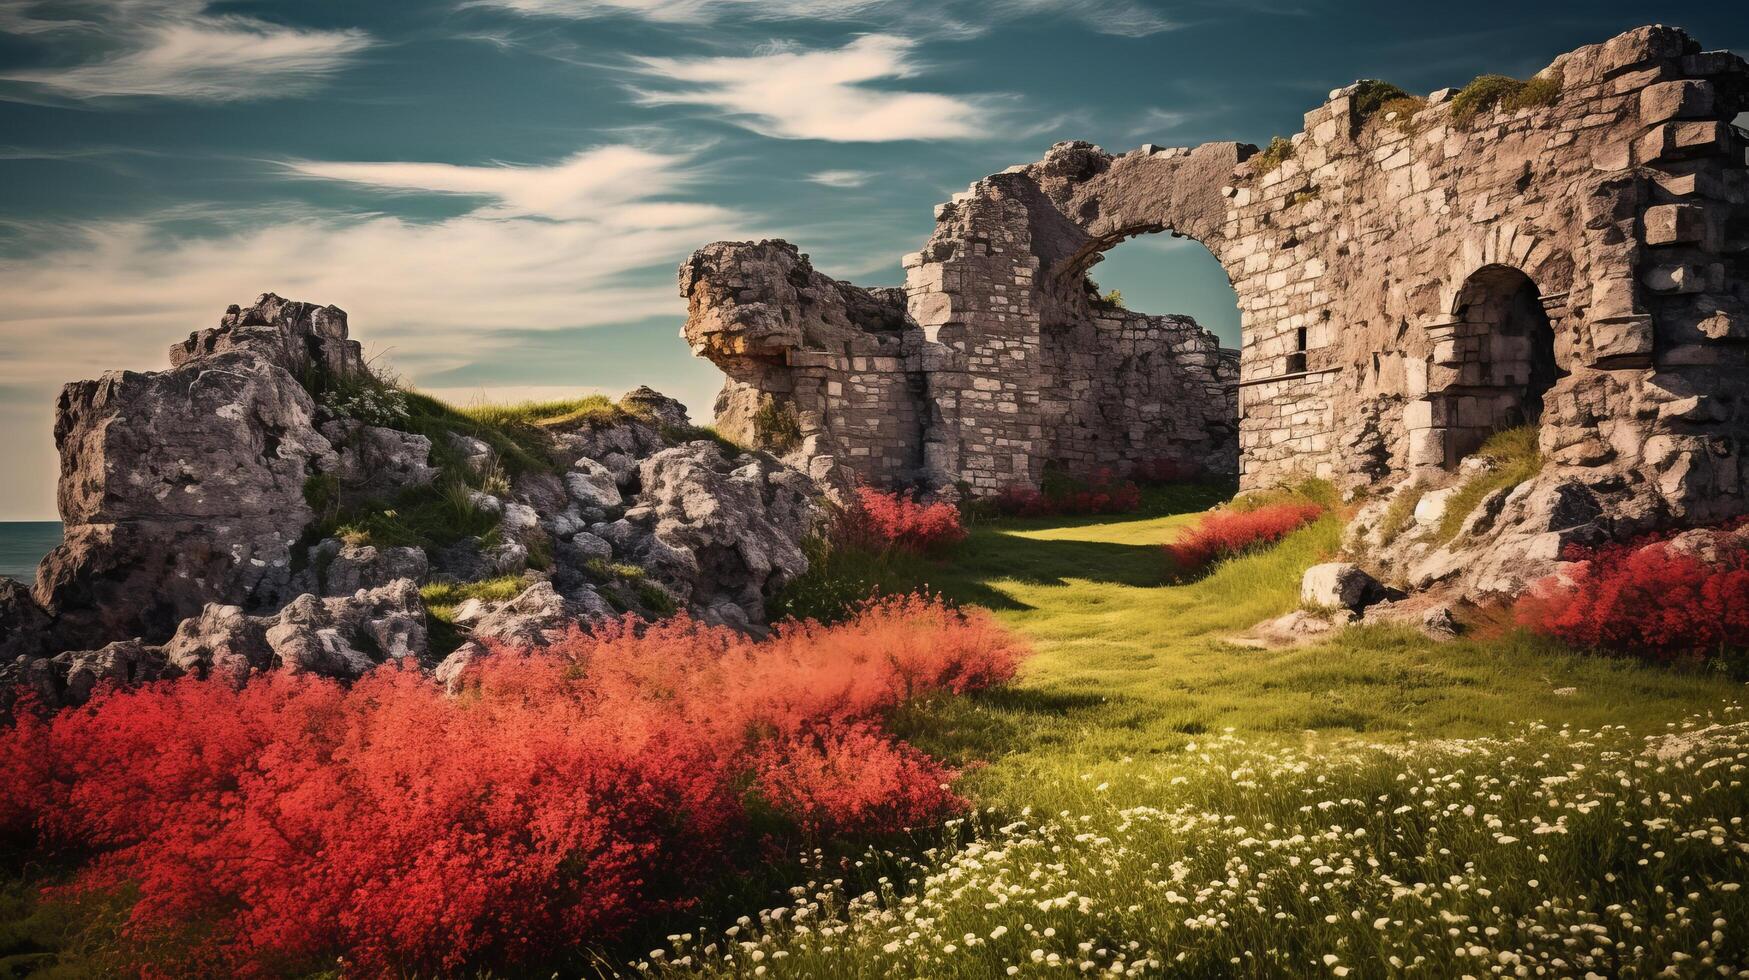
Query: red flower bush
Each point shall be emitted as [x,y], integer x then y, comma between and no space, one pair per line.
[854,781]
[1656,598]
[1104,493]
[879,519]
[562,794]
[1225,533]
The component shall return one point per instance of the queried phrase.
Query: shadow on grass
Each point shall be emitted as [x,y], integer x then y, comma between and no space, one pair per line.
[995,555]
[985,725]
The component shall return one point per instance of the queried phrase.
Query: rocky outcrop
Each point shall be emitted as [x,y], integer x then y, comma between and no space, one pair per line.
[184,487]
[342,636]
[722,533]
[342,569]
[190,496]
[69,678]
[534,618]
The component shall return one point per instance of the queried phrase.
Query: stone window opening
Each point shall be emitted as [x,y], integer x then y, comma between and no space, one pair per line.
[1296,361]
[1490,367]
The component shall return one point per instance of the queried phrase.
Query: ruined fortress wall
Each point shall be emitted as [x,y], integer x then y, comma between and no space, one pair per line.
[1407,284]
[1124,388]
[819,371]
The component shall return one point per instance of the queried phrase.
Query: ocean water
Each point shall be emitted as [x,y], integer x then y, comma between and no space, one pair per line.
[23,544]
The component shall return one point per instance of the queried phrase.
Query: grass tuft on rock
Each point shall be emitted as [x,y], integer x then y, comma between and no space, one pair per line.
[1370,96]
[1401,513]
[1279,151]
[775,426]
[1489,92]
[1517,458]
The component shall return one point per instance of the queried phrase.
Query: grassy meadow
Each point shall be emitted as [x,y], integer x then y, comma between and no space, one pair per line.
[1152,799]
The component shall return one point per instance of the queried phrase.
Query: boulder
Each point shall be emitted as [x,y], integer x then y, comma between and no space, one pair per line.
[535,618]
[1430,509]
[476,454]
[356,567]
[593,486]
[1337,585]
[338,636]
[185,487]
[346,636]
[652,404]
[376,462]
[222,641]
[1439,623]
[711,528]
[69,678]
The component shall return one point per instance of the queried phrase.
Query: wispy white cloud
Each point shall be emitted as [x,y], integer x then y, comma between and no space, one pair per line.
[841,178]
[434,292]
[172,49]
[612,186]
[940,18]
[792,93]
[1158,120]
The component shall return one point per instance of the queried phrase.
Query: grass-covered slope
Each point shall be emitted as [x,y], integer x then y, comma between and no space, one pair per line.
[1128,665]
[1154,800]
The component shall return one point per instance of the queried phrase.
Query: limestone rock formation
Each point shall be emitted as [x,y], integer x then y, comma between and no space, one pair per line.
[186,486]
[539,615]
[723,534]
[342,636]
[192,497]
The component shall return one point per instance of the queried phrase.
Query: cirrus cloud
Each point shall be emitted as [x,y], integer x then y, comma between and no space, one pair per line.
[940,18]
[568,246]
[171,49]
[790,93]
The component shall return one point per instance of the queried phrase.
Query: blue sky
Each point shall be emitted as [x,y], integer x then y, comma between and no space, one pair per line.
[499,191]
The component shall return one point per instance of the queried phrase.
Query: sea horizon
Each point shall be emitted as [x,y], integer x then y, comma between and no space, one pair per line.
[23,545]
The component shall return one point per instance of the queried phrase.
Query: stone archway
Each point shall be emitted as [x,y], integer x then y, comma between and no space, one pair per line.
[1489,368]
[1125,388]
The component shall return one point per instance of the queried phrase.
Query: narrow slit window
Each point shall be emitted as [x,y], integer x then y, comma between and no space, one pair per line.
[1296,362]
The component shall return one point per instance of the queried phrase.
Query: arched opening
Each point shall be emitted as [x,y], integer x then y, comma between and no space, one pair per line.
[1490,367]
[1169,273]
[1132,389]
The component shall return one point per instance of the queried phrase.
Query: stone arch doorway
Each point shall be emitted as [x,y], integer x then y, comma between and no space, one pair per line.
[1490,367]
[1134,384]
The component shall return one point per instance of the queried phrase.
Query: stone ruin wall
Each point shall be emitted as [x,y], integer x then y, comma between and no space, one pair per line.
[1392,278]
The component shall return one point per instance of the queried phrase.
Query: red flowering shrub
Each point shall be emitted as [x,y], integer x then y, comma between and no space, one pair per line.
[563,793]
[1225,533]
[856,780]
[1652,597]
[879,519]
[1103,493]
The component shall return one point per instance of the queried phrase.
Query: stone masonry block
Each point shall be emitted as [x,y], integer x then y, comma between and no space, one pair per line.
[1672,224]
[1684,99]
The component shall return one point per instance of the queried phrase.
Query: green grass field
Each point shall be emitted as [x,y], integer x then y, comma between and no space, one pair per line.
[1153,799]
[1127,664]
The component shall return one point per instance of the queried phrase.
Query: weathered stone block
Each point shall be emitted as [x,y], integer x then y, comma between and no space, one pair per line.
[1618,337]
[1672,224]
[1337,585]
[1685,99]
